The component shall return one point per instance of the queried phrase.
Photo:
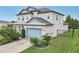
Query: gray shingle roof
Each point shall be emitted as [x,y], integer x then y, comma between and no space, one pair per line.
[40,20]
[44,10]
[24,11]
[30,9]
[2,21]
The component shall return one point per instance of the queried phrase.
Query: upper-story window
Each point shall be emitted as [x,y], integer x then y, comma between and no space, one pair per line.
[27,18]
[56,17]
[22,18]
[48,17]
[18,18]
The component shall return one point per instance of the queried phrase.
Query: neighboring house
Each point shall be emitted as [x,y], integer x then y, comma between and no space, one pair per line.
[38,22]
[3,23]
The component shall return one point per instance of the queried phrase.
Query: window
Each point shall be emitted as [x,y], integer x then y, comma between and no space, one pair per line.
[27,18]
[22,18]
[48,17]
[56,17]
[18,18]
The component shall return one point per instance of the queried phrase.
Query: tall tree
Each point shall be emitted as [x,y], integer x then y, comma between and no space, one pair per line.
[76,23]
[70,21]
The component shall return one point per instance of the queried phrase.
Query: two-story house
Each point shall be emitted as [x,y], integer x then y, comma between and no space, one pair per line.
[38,22]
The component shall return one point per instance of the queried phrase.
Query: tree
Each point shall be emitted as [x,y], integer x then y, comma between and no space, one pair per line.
[73,27]
[70,21]
[76,23]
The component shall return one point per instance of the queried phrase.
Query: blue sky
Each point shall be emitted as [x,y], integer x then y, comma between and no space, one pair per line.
[9,12]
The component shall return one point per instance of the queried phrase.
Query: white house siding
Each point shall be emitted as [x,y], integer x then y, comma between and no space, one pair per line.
[34,21]
[45,29]
[54,30]
[65,27]
[46,15]
[49,30]
[18,28]
[19,18]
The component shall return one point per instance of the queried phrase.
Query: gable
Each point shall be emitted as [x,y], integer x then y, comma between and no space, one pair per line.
[38,20]
[34,21]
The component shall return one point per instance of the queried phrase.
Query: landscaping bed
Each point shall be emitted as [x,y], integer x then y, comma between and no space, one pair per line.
[63,43]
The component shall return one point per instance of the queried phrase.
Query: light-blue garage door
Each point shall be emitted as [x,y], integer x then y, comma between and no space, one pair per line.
[34,32]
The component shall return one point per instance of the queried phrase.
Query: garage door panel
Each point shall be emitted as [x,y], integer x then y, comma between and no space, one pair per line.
[34,32]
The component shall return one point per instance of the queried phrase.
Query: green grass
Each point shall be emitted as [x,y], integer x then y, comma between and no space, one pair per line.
[61,44]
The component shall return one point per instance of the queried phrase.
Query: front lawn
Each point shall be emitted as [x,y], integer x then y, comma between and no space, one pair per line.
[62,43]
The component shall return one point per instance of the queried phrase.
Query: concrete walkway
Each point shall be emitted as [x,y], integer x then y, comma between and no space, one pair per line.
[16,46]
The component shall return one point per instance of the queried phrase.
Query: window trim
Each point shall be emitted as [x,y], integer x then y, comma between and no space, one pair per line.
[22,18]
[48,17]
[56,17]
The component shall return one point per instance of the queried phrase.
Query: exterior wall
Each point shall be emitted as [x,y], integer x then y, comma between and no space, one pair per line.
[18,28]
[65,27]
[49,30]
[35,21]
[26,18]
[46,15]
[35,14]
[54,18]
[45,29]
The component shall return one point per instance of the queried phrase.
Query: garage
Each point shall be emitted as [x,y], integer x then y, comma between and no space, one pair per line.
[34,32]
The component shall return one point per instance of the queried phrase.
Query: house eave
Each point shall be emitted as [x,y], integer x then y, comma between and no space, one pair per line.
[30,24]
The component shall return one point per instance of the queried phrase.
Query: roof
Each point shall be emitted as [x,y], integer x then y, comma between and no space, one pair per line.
[40,20]
[44,10]
[30,9]
[24,11]
[2,21]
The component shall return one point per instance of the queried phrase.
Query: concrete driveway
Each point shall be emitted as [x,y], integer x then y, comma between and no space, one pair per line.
[16,46]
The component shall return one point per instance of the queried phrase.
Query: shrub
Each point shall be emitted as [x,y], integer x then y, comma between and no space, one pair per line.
[23,33]
[42,43]
[47,38]
[3,40]
[39,42]
[34,41]
[9,33]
